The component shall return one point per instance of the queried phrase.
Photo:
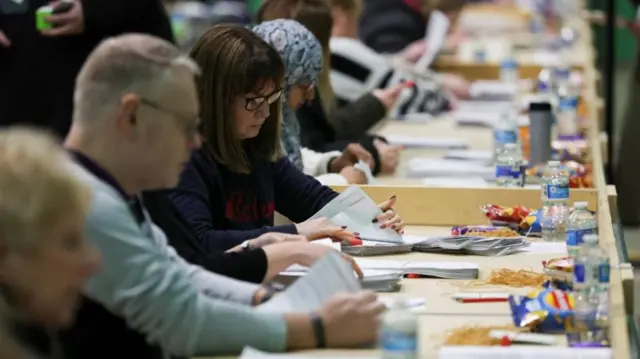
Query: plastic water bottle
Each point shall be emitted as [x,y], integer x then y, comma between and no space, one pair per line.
[555,202]
[567,118]
[591,319]
[504,131]
[510,166]
[580,223]
[398,337]
[509,72]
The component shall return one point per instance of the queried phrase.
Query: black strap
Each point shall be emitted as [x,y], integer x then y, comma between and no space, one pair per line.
[318,330]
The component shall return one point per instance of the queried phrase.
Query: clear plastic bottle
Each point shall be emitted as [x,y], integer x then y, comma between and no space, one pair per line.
[505,131]
[567,118]
[510,166]
[555,202]
[580,223]
[591,319]
[509,71]
[398,336]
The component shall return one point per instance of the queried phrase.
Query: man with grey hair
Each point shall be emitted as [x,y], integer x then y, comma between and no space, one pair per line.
[134,126]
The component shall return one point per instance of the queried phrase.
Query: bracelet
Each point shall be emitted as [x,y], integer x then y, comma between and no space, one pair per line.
[318,330]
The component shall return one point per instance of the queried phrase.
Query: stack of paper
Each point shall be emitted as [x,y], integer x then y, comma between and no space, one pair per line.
[436,143]
[371,248]
[488,90]
[435,167]
[474,118]
[483,246]
[355,210]
[522,352]
[447,270]
[328,276]
[381,280]
[481,156]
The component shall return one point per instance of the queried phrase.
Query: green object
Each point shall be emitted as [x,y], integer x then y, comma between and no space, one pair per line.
[625,42]
[254,5]
[41,14]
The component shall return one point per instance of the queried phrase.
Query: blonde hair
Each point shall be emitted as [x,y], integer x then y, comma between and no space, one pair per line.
[132,63]
[37,187]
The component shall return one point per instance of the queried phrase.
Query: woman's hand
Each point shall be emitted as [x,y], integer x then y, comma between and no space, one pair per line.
[353,153]
[414,51]
[389,218]
[389,96]
[320,228]
[4,40]
[353,175]
[457,85]
[389,156]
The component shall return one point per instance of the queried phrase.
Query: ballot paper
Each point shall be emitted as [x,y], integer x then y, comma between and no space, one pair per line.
[492,90]
[464,117]
[483,246]
[328,276]
[522,352]
[482,156]
[484,106]
[435,167]
[427,142]
[364,167]
[372,248]
[379,280]
[434,38]
[548,247]
[355,210]
[447,270]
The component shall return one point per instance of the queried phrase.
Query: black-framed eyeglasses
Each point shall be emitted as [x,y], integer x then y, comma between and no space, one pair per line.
[253,103]
[189,124]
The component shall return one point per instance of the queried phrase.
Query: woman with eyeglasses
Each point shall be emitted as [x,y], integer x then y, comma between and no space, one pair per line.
[233,185]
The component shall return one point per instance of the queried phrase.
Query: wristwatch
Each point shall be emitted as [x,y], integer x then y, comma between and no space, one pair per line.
[246,246]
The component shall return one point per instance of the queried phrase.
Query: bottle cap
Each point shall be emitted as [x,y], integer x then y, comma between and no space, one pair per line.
[581,205]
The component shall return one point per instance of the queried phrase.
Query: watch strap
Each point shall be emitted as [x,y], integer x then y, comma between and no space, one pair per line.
[318,331]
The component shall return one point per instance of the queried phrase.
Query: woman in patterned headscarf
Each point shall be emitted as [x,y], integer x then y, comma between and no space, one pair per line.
[302,56]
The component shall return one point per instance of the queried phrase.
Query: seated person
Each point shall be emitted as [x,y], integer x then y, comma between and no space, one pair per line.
[232,186]
[44,257]
[399,27]
[256,260]
[135,125]
[322,126]
[356,68]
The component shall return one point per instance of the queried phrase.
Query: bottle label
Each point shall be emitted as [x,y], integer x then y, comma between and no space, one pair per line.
[603,273]
[579,273]
[508,171]
[575,237]
[397,341]
[554,191]
[504,137]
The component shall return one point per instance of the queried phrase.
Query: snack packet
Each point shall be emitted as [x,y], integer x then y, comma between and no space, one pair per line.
[559,268]
[484,231]
[531,224]
[505,216]
[580,175]
[543,310]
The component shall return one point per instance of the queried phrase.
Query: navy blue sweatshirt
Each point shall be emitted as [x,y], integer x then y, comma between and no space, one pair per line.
[226,208]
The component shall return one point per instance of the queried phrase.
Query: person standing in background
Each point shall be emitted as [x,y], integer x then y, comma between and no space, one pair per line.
[38,68]
[627,169]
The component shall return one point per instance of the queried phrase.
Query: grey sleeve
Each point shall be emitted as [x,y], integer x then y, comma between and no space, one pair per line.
[212,284]
[157,297]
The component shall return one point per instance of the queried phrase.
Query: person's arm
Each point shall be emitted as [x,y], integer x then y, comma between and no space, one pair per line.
[157,297]
[356,118]
[192,200]
[298,196]
[317,163]
[366,142]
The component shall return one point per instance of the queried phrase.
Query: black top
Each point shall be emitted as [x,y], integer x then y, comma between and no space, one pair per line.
[226,208]
[319,135]
[38,72]
[34,338]
[388,26]
[250,266]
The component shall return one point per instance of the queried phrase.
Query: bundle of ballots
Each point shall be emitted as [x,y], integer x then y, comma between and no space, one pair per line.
[476,245]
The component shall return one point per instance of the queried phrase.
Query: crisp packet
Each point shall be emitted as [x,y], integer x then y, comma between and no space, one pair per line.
[580,175]
[505,216]
[543,310]
[484,231]
[531,224]
[559,268]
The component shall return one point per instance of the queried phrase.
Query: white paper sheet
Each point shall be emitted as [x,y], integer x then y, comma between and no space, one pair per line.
[483,156]
[523,352]
[328,276]
[435,38]
[364,167]
[547,247]
[455,182]
[250,353]
[426,142]
[412,303]
[490,87]
[366,263]
[355,210]
[435,167]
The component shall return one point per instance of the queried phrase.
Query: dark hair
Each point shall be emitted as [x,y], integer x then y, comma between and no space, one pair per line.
[315,15]
[347,5]
[234,62]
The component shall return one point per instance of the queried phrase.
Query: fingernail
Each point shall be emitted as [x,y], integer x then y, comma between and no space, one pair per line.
[392,197]
[382,226]
[393,226]
[344,227]
[356,234]
[375,220]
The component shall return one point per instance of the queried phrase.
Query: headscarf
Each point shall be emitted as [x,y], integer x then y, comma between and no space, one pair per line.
[302,56]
